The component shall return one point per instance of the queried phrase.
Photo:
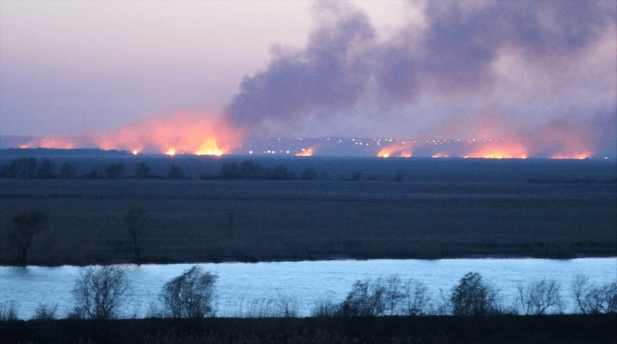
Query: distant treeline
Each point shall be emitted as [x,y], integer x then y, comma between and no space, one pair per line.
[570,181]
[30,168]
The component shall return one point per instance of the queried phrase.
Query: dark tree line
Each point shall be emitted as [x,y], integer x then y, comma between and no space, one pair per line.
[30,168]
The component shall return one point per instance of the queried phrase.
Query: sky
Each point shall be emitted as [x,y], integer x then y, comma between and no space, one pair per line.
[445,69]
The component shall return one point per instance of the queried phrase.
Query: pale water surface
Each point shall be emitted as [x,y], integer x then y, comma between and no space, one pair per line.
[306,282]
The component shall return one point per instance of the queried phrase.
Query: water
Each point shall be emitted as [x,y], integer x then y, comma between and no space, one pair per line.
[306,282]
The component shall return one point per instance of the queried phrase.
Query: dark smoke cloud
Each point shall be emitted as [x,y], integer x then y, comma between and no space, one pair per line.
[454,53]
[329,74]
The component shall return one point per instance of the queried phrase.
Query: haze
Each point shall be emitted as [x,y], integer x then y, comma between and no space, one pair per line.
[450,70]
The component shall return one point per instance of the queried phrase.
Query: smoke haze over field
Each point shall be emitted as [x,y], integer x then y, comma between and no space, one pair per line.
[539,75]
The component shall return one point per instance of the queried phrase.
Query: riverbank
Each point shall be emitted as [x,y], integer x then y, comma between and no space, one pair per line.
[428,329]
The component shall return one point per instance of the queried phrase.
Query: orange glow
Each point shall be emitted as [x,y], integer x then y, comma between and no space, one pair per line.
[182,132]
[499,150]
[581,156]
[441,155]
[209,148]
[51,142]
[306,152]
[564,140]
[403,149]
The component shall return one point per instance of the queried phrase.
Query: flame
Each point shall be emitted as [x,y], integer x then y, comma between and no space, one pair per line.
[563,140]
[403,149]
[198,133]
[307,152]
[499,150]
[209,148]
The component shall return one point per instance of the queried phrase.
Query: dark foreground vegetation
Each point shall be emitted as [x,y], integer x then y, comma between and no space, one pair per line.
[430,329]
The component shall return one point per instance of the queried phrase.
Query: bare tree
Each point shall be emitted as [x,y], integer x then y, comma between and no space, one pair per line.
[135,221]
[8,311]
[416,300]
[25,227]
[593,299]
[46,311]
[366,299]
[190,294]
[539,297]
[383,296]
[473,296]
[99,292]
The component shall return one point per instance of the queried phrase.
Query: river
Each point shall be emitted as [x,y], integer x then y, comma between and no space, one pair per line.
[306,282]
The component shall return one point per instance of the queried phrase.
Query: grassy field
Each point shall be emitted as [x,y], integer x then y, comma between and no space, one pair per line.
[241,220]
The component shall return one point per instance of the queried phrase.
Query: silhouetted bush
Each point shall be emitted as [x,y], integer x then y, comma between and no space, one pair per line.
[593,299]
[189,295]
[46,311]
[250,170]
[473,296]
[26,226]
[383,296]
[46,170]
[143,171]
[100,292]
[229,170]
[114,171]
[8,310]
[135,221]
[539,297]
[175,172]
[68,170]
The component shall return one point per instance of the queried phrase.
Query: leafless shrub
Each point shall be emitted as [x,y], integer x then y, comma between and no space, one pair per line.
[416,298]
[593,299]
[46,311]
[473,296]
[99,292]
[287,306]
[135,221]
[539,297]
[26,226]
[326,309]
[366,299]
[189,295]
[8,310]
[385,296]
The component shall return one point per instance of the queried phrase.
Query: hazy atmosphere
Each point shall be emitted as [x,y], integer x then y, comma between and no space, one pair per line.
[207,76]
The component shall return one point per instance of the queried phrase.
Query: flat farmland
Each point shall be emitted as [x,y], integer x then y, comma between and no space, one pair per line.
[259,220]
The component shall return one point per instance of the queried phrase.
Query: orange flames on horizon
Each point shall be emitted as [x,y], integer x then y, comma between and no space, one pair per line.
[499,150]
[182,133]
[307,152]
[402,149]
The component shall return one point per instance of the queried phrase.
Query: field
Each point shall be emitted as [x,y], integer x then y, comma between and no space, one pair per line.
[468,214]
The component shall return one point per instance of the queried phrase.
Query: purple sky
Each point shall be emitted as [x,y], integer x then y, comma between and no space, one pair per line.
[364,69]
